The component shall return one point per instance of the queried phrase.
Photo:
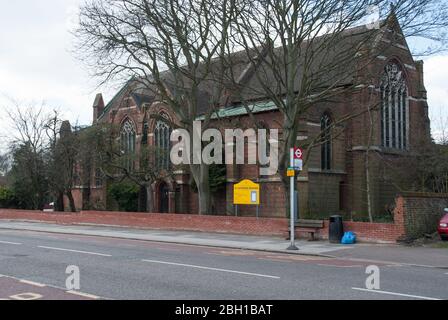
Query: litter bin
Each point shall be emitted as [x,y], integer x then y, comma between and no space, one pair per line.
[336,229]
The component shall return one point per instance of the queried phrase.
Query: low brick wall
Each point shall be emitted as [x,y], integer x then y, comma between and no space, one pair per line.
[371,232]
[423,213]
[378,232]
[375,232]
[219,224]
[50,217]
[414,215]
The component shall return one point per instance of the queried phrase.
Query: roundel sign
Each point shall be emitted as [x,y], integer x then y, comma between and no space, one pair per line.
[298,153]
[297,160]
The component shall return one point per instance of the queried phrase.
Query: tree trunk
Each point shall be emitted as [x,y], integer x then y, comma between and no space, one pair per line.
[369,196]
[71,201]
[149,199]
[86,198]
[201,177]
[59,203]
[367,164]
[289,136]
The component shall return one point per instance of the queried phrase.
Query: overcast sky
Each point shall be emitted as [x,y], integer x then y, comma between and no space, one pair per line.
[37,63]
[36,60]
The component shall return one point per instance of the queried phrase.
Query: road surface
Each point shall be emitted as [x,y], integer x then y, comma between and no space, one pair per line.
[33,265]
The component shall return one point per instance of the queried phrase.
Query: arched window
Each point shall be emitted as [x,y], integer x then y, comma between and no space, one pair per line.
[98,178]
[394,108]
[325,126]
[127,140]
[145,132]
[162,135]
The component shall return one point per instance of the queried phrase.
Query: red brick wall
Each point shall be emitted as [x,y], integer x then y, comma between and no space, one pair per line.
[404,214]
[423,213]
[220,224]
[378,232]
[371,232]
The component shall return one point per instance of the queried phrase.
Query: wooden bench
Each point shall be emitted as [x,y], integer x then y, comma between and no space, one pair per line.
[307,226]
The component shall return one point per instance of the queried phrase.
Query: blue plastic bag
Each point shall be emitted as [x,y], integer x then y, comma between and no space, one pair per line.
[349,238]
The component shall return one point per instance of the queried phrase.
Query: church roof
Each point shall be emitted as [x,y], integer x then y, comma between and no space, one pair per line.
[251,82]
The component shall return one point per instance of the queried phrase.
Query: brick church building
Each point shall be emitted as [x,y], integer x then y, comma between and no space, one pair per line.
[334,179]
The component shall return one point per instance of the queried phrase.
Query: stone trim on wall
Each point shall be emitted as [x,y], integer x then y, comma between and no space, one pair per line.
[414,215]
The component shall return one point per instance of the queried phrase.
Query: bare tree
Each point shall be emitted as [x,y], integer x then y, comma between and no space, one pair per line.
[439,124]
[300,53]
[308,52]
[171,47]
[4,164]
[28,125]
[44,152]
[62,164]
[143,169]
[28,144]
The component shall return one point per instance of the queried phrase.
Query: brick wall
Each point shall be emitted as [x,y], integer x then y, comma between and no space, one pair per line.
[414,215]
[375,232]
[371,232]
[219,224]
[423,213]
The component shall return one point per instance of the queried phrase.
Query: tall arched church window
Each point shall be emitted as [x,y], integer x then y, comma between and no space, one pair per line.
[394,108]
[162,135]
[127,140]
[326,146]
[98,178]
[145,132]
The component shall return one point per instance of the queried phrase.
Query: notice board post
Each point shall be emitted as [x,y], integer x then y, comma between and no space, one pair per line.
[247,193]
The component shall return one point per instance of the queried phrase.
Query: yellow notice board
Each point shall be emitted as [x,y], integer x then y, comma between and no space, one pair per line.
[246,192]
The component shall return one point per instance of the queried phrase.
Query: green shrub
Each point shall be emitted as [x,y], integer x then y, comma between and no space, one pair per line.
[126,195]
[217,179]
[6,197]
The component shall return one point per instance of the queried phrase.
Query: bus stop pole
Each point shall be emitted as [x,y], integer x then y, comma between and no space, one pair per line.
[292,209]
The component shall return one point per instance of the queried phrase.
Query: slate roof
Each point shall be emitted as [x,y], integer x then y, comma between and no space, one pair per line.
[251,78]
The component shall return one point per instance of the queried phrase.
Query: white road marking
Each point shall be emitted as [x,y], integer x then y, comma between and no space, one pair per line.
[32,283]
[77,251]
[396,294]
[13,243]
[82,294]
[336,266]
[27,296]
[212,269]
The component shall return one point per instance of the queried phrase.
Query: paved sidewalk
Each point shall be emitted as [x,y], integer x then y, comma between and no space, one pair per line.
[415,256]
[386,253]
[272,244]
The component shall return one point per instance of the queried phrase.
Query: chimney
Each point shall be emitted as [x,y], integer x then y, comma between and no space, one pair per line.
[421,79]
[98,107]
[66,129]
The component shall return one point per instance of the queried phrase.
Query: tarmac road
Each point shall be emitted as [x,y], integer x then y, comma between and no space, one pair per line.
[110,268]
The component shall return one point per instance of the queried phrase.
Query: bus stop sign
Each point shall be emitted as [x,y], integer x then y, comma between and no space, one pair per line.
[298,159]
